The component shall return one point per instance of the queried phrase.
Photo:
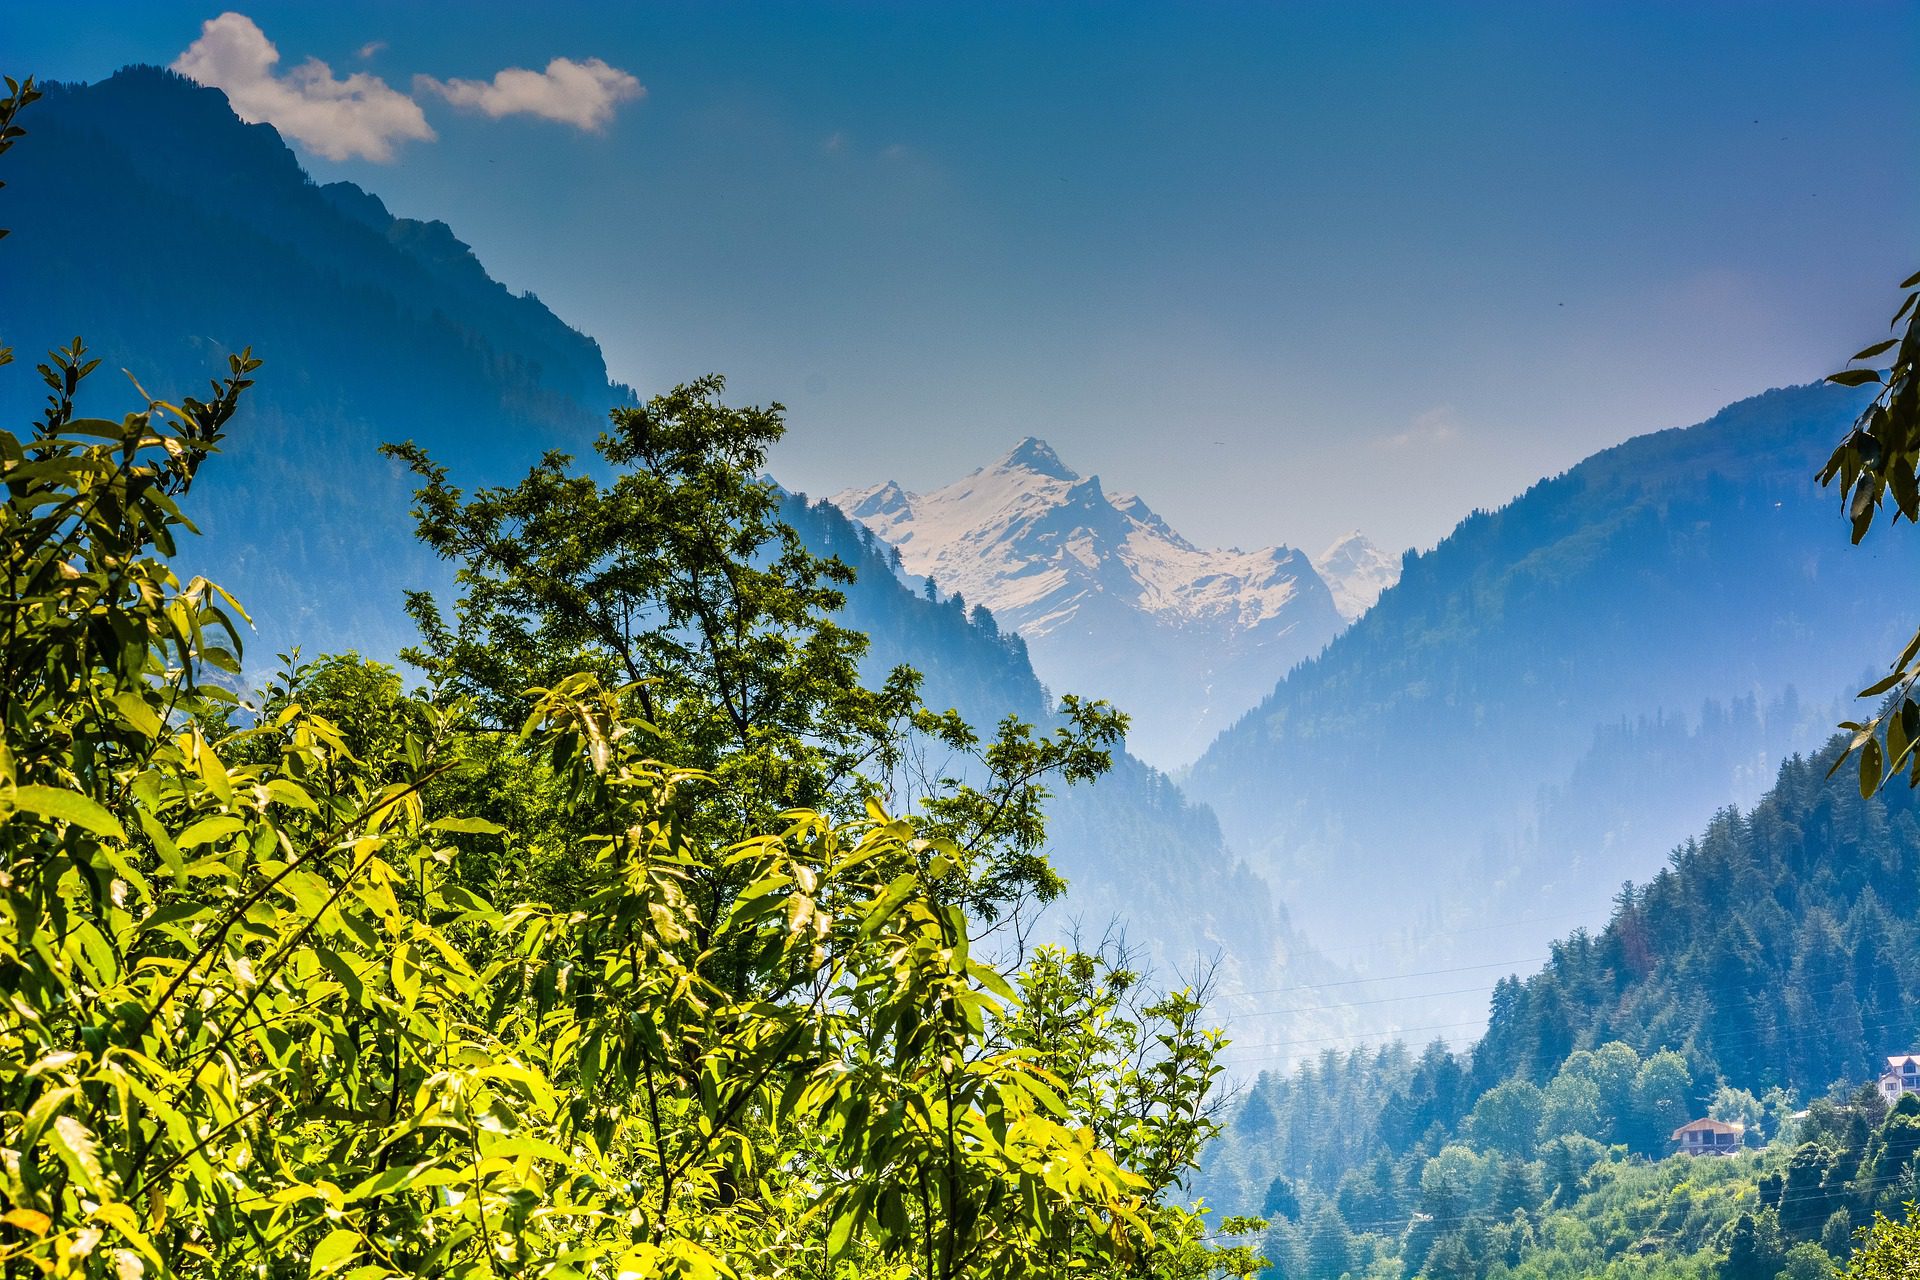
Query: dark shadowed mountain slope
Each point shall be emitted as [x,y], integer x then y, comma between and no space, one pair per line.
[146,217]
[1469,753]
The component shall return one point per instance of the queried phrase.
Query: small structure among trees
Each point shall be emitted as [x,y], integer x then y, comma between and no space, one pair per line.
[1709,1138]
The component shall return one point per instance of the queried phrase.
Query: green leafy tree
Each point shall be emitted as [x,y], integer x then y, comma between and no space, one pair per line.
[676,579]
[1878,458]
[1570,1105]
[1888,1250]
[1754,1249]
[1507,1118]
[1329,1245]
[1662,1100]
[1807,1262]
[1738,1106]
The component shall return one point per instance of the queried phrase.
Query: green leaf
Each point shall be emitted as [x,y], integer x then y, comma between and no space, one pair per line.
[1879,687]
[291,793]
[164,846]
[75,1144]
[887,903]
[467,826]
[207,830]
[841,1234]
[335,1251]
[135,711]
[1874,350]
[1854,377]
[67,806]
[1869,767]
[341,972]
[406,974]
[388,1181]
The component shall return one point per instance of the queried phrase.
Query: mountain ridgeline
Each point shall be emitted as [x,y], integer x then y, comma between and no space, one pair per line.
[149,219]
[1562,689]
[1105,590]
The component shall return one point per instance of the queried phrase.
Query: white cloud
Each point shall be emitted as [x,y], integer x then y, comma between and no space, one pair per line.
[372,47]
[360,116]
[582,94]
[1437,426]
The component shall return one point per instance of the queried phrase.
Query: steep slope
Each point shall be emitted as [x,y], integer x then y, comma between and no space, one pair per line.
[1356,572]
[1434,741]
[1781,947]
[147,218]
[1109,598]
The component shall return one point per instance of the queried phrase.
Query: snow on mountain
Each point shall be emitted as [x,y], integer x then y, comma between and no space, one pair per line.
[1356,572]
[1112,602]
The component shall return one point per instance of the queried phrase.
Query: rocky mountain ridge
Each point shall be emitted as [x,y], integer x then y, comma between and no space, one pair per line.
[1111,599]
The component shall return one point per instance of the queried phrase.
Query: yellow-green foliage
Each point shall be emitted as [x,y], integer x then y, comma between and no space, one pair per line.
[1888,1250]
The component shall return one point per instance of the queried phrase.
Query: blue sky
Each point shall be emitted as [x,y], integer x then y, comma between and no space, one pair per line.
[1285,270]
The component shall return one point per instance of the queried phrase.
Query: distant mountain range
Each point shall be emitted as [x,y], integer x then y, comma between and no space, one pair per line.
[1556,695]
[1112,601]
[1542,707]
[149,219]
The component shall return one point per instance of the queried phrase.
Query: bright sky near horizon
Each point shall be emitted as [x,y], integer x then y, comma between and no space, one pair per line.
[1284,270]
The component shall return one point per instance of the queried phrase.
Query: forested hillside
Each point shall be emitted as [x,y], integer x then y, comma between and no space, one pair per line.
[1774,962]
[1515,702]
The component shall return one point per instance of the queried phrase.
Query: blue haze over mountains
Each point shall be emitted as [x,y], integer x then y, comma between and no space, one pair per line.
[147,218]
[1548,702]
[1565,689]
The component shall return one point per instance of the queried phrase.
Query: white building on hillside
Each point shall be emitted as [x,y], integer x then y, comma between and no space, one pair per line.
[1901,1076]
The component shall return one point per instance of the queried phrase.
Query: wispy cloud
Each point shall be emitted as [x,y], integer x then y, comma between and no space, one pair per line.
[360,116]
[582,94]
[1436,426]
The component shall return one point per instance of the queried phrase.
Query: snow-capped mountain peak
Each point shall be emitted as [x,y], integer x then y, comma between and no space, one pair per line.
[1112,601]
[1357,572]
[1035,455]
